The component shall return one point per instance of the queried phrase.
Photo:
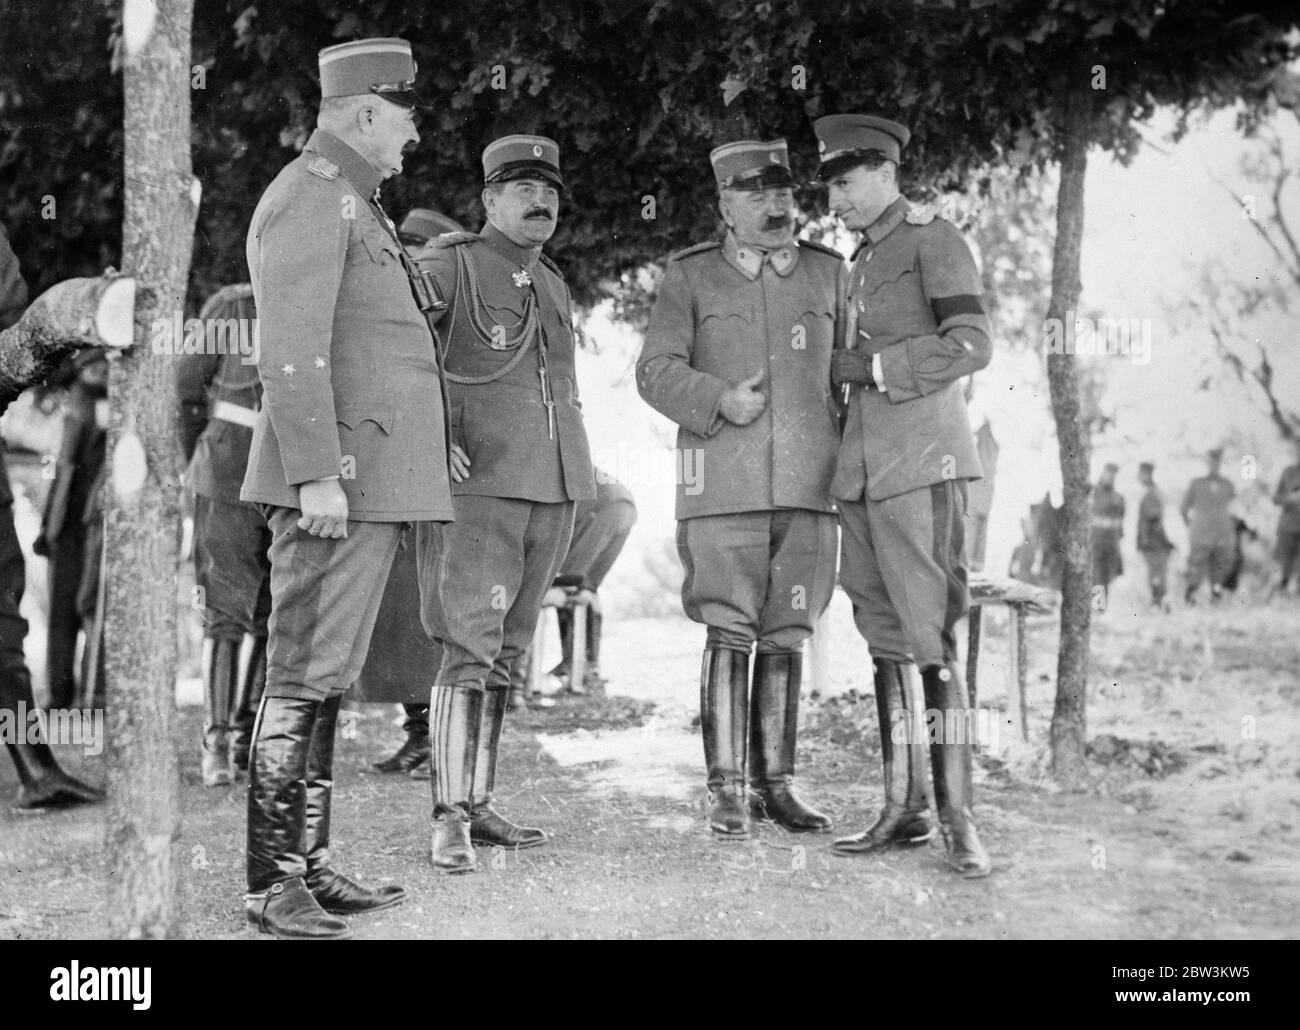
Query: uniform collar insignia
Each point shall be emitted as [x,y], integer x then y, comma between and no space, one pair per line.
[888,221]
[748,261]
[355,168]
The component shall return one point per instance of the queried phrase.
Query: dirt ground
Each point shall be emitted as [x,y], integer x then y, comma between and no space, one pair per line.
[1189,829]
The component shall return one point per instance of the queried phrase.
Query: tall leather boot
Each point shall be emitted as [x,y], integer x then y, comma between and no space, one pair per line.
[457,715]
[487,825]
[724,707]
[951,764]
[246,704]
[219,687]
[43,784]
[332,890]
[773,728]
[278,901]
[414,751]
[903,819]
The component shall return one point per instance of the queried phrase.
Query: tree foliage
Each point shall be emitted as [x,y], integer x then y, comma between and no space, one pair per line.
[633,91]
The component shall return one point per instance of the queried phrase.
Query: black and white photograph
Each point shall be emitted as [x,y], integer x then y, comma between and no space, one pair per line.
[651,469]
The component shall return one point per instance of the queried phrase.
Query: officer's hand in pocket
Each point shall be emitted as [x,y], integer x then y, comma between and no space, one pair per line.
[324,508]
[744,402]
[851,366]
[459,464]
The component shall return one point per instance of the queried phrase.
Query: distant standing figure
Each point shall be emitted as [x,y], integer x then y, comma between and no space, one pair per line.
[1287,551]
[63,533]
[1212,536]
[1152,541]
[1107,529]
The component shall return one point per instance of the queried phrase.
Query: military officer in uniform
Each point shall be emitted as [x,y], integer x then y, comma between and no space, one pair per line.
[1211,534]
[738,355]
[1153,542]
[517,422]
[916,327]
[349,447]
[43,783]
[219,396]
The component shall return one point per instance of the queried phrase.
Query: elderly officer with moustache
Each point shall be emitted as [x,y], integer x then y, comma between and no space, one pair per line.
[516,417]
[350,446]
[916,326]
[738,355]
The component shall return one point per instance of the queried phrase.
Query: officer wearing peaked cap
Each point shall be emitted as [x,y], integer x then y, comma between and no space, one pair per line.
[738,355]
[517,422]
[916,327]
[349,447]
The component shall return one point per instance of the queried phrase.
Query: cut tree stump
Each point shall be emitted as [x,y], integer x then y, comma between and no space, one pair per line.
[71,315]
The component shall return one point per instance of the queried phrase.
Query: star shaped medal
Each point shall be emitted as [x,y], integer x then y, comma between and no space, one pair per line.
[522,278]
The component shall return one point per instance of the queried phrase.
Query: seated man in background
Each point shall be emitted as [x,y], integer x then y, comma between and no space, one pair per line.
[600,529]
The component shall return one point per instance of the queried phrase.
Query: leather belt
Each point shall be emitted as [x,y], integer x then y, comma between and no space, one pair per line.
[228,412]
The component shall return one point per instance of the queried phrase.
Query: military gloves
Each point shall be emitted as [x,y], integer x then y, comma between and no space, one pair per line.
[852,366]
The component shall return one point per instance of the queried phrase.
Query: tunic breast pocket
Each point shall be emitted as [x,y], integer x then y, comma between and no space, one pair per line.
[816,322]
[380,249]
[503,318]
[886,273]
[723,313]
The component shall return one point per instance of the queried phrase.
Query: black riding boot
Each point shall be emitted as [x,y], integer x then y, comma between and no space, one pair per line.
[487,825]
[278,901]
[773,727]
[457,714]
[246,704]
[903,819]
[335,892]
[219,686]
[724,705]
[951,764]
[519,670]
[414,751]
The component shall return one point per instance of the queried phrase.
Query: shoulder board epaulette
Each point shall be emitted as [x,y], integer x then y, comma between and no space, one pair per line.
[699,248]
[323,167]
[453,239]
[545,259]
[823,248]
[921,215]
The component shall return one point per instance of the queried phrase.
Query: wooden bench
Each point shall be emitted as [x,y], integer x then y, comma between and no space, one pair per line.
[1022,598]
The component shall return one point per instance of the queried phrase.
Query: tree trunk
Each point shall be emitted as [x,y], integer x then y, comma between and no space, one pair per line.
[142,519]
[1069,719]
[72,314]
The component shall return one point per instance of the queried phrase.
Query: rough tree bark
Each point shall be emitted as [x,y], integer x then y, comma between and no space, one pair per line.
[69,315]
[1069,719]
[142,519]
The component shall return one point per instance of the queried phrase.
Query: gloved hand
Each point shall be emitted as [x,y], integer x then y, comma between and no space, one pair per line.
[851,366]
